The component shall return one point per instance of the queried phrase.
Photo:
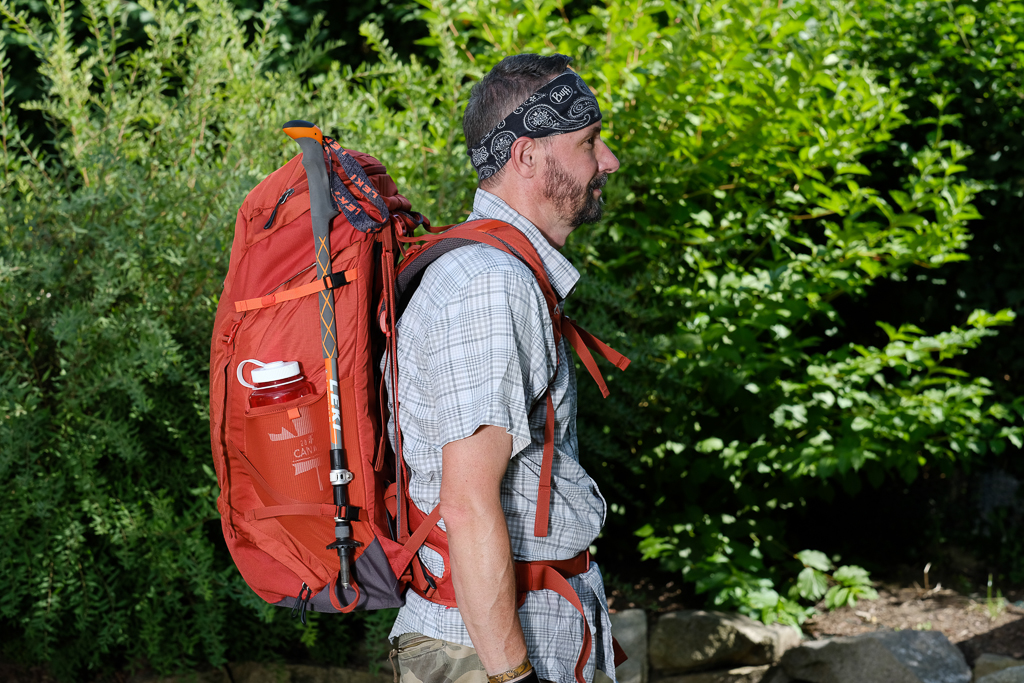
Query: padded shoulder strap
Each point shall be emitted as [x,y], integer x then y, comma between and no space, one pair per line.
[494,233]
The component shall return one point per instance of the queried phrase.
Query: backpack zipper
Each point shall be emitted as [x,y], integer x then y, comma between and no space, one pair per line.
[287,193]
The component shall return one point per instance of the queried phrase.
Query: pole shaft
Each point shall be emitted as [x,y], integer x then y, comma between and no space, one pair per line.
[321,212]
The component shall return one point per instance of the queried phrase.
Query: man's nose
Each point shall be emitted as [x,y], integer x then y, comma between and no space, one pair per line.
[607,162]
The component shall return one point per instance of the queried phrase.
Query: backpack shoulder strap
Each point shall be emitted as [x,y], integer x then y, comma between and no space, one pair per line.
[494,233]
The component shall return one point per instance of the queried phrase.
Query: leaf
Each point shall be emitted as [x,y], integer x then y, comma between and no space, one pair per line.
[852,167]
[815,559]
[836,597]
[852,575]
[710,445]
[764,598]
[902,200]
[811,583]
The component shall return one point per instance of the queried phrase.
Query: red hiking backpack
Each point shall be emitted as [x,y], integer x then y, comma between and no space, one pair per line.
[314,502]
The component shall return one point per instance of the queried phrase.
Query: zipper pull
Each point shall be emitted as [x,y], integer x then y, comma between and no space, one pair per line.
[301,602]
[287,193]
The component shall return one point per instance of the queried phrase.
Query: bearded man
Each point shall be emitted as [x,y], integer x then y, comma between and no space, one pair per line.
[476,358]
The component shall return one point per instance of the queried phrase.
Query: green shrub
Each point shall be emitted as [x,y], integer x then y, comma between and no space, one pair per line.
[972,52]
[113,247]
[743,210]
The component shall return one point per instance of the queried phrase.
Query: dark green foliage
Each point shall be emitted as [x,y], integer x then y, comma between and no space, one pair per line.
[971,52]
[112,254]
[745,213]
[775,173]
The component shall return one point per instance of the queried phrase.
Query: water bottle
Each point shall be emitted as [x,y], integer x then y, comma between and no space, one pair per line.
[276,382]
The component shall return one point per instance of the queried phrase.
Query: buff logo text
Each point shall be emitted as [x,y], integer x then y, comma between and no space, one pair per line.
[559,94]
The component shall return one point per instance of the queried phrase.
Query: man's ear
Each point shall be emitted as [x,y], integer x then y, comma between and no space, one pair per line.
[525,157]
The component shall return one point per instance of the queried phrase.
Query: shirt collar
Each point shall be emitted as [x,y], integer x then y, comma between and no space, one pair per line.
[562,274]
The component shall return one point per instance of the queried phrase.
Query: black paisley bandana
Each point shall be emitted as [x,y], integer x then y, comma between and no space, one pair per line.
[563,105]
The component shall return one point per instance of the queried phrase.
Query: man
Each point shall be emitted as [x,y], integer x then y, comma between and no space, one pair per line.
[476,355]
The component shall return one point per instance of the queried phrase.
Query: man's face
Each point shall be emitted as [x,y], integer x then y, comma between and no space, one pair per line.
[576,167]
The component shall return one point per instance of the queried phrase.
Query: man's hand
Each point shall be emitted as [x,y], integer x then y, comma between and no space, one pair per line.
[482,571]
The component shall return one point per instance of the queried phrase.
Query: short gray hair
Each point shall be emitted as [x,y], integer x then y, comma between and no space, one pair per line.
[504,88]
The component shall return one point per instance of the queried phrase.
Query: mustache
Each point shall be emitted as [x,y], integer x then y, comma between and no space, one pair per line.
[598,182]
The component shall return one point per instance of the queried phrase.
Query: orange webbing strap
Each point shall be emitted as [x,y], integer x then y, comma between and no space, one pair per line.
[540,524]
[583,341]
[477,231]
[299,292]
[477,225]
[301,509]
[603,350]
[534,576]
[416,540]
[391,335]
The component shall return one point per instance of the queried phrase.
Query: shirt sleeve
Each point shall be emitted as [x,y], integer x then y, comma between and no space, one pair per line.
[488,356]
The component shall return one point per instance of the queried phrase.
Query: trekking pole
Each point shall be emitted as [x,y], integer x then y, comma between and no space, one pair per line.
[311,140]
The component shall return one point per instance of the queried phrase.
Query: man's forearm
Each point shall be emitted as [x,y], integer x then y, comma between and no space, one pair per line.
[485,587]
[481,555]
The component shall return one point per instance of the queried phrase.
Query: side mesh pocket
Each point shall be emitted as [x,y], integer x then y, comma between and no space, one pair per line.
[289,447]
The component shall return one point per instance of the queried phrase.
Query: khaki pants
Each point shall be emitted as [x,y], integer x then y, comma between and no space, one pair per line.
[419,659]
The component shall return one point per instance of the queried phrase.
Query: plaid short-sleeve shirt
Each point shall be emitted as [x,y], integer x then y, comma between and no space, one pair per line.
[476,347]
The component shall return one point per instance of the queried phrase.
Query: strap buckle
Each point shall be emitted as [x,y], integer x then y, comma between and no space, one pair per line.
[335,280]
[347,513]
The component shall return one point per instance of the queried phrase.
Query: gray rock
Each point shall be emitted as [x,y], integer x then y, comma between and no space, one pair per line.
[787,638]
[629,626]
[892,657]
[928,654]
[989,663]
[744,674]
[1014,675]
[776,675]
[695,639]
[845,660]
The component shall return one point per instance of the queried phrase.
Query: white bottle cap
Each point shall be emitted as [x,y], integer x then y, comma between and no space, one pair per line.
[276,371]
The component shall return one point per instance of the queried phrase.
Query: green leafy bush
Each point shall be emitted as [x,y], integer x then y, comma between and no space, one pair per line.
[113,247]
[744,210]
[969,51]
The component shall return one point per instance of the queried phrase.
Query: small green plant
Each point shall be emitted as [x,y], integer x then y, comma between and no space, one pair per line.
[994,606]
[849,582]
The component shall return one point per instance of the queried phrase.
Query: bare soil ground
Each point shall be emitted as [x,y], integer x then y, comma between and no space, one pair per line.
[975,624]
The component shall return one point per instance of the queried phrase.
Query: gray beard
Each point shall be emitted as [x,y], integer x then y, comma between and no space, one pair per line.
[575,203]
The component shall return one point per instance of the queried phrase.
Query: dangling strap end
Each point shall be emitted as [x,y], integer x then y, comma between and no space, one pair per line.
[540,525]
